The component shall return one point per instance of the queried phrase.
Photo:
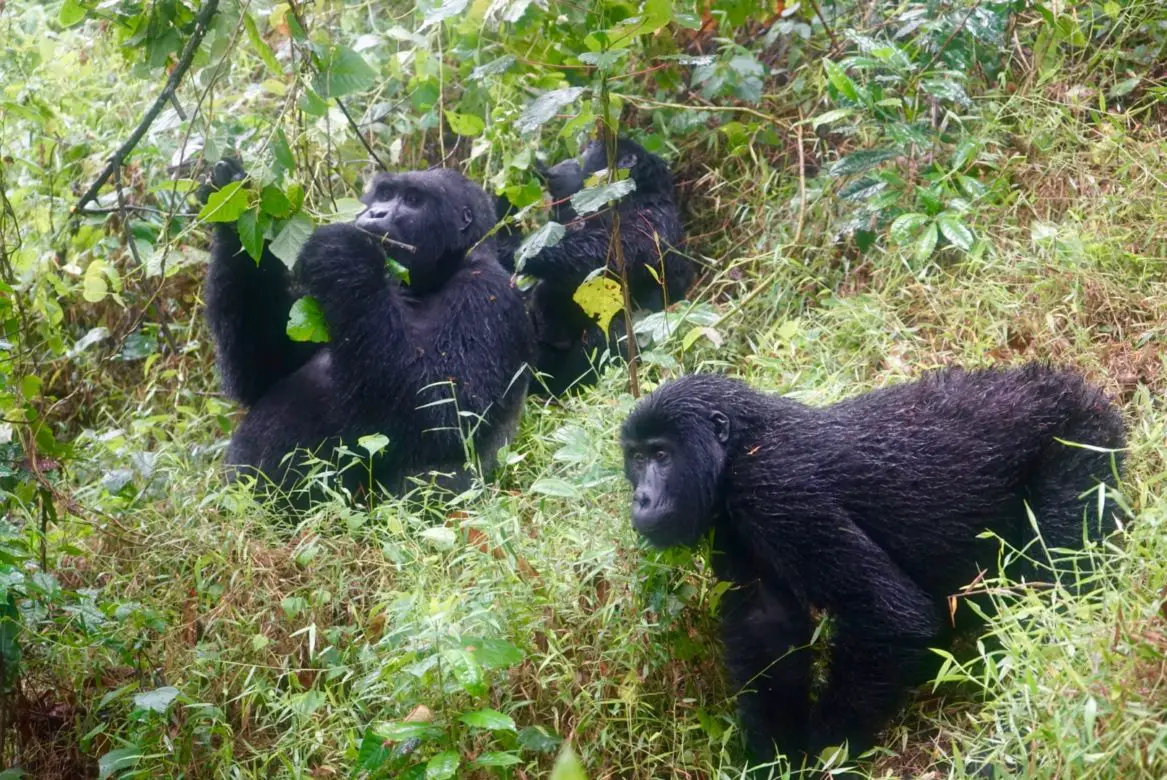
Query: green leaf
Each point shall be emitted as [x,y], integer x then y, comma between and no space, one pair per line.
[440,536]
[841,81]
[465,124]
[567,766]
[491,720]
[905,227]
[306,321]
[955,231]
[343,72]
[595,198]
[373,443]
[440,13]
[466,670]
[400,731]
[442,766]
[545,107]
[265,52]
[552,486]
[601,299]
[94,286]
[291,239]
[117,760]
[548,235]
[71,13]
[227,204]
[250,234]
[273,201]
[858,162]
[157,700]
[830,116]
[497,759]
[493,653]
[927,242]
[283,150]
[539,739]
[373,752]
[312,104]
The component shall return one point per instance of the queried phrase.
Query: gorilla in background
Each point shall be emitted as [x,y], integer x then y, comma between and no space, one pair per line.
[562,180]
[569,341]
[870,510]
[432,364]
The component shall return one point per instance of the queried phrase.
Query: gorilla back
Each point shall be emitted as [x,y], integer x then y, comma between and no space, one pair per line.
[436,365]
[872,510]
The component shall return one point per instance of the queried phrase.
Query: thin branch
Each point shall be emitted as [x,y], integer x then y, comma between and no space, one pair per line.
[819,13]
[202,23]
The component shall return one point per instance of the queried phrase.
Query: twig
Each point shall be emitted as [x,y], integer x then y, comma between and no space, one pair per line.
[97,211]
[202,24]
[951,35]
[819,13]
[125,220]
[801,181]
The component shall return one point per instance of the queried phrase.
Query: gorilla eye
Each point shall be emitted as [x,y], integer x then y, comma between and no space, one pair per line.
[660,454]
[412,198]
[639,458]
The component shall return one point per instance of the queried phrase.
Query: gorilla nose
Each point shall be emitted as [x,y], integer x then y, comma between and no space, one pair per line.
[374,213]
[641,499]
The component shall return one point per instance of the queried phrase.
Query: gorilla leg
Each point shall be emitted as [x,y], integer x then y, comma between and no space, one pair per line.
[765,634]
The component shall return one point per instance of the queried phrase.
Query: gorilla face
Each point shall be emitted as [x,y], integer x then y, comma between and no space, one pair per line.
[674,463]
[430,218]
[595,156]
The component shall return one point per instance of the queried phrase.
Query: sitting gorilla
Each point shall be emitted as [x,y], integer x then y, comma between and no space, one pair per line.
[563,180]
[870,510]
[432,364]
[650,232]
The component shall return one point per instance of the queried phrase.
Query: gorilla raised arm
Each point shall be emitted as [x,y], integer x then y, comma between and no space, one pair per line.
[871,510]
[432,364]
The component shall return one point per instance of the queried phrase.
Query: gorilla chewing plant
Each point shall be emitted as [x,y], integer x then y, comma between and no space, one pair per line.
[873,510]
[432,364]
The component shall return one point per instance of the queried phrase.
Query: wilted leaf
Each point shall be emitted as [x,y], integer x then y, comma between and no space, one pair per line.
[548,235]
[544,108]
[306,321]
[595,198]
[227,204]
[601,299]
[291,239]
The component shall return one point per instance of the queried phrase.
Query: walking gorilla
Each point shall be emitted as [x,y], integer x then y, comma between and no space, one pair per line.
[431,364]
[871,510]
[650,231]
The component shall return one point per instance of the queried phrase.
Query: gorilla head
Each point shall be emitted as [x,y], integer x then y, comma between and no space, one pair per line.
[438,214]
[675,445]
[651,173]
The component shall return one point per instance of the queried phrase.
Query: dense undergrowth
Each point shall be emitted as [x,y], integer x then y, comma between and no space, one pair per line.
[875,189]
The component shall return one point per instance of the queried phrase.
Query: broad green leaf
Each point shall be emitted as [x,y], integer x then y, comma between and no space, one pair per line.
[830,116]
[545,107]
[601,299]
[440,536]
[283,150]
[157,700]
[841,81]
[261,47]
[498,759]
[117,760]
[373,752]
[373,443]
[927,242]
[71,13]
[440,13]
[493,653]
[94,286]
[539,739]
[442,766]
[604,60]
[595,198]
[567,766]
[551,486]
[306,321]
[343,72]
[466,670]
[691,337]
[291,239]
[312,104]
[906,226]
[955,231]
[227,204]
[491,720]
[273,201]
[858,162]
[549,234]
[400,731]
[492,68]
[465,124]
[250,234]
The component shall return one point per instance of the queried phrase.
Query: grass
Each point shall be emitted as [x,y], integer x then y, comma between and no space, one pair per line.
[535,599]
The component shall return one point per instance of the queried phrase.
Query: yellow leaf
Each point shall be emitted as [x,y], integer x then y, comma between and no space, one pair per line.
[601,299]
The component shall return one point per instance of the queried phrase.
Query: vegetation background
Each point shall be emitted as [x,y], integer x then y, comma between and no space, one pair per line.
[873,189]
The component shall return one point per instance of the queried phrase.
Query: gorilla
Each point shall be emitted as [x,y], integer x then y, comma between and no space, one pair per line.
[434,364]
[562,180]
[650,233]
[872,511]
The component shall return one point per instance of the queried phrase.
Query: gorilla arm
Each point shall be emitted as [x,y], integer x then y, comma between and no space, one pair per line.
[582,251]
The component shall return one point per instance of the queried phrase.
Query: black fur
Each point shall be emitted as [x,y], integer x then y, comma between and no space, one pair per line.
[869,509]
[397,354]
[569,341]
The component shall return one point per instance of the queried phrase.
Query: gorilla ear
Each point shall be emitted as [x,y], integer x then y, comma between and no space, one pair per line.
[720,426]
[467,217]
